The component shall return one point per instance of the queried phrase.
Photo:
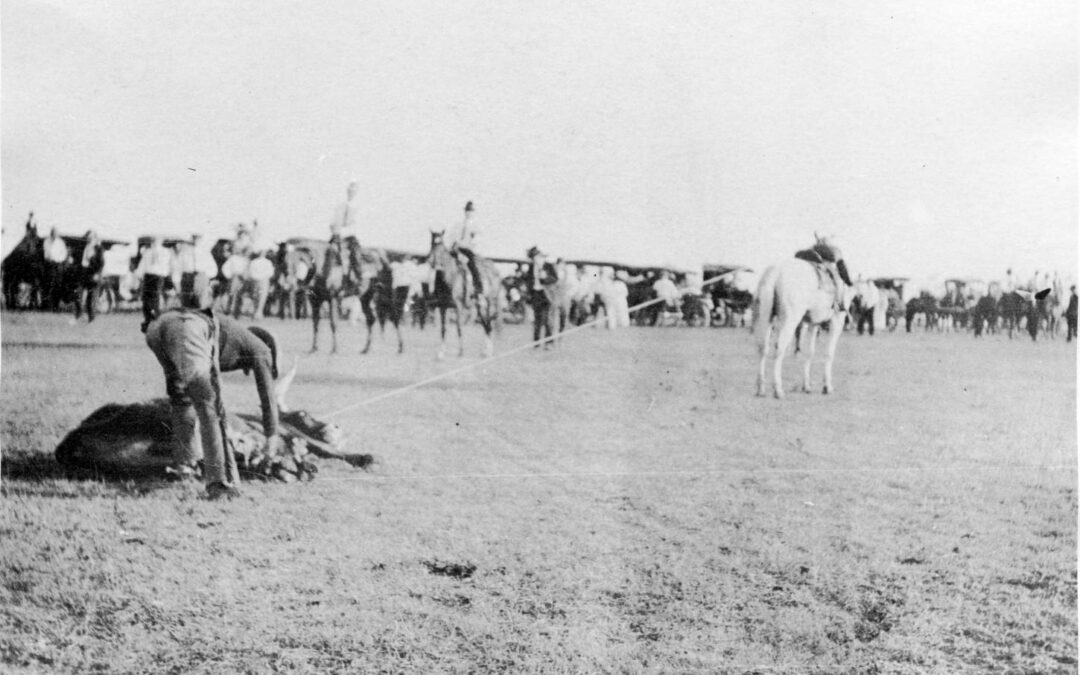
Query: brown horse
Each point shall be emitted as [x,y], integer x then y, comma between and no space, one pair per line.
[453,290]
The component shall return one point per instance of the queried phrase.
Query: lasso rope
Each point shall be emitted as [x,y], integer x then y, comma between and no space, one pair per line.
[450,373]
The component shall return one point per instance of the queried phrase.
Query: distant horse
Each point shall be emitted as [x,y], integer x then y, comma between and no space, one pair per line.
[864,305]
[452,289]
[984,315]
[333,278]
[25,265]
[380,299]
[790,294]
[926,305]
[1014,307]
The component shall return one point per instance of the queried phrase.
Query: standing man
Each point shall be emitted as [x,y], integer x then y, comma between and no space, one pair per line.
[195,268]
[89,275]
[155,266]
[193,347]
[260,272]
[343,227]
[56,255]
[463,239]
[667,292]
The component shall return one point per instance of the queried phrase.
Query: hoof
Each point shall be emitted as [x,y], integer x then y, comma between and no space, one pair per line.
[779,394]
[826,390]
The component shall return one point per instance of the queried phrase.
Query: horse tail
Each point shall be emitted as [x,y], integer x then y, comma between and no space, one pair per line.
[765,306]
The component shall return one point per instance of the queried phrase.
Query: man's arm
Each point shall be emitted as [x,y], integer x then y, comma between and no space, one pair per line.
[264,381]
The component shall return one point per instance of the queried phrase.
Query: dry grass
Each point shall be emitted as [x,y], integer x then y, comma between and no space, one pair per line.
[623,504]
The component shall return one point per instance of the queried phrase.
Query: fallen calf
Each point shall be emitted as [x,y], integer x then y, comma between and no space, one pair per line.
[136,440]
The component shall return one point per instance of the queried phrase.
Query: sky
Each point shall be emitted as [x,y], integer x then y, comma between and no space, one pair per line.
[927,138]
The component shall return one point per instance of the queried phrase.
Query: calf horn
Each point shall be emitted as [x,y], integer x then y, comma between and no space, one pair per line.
[282,386]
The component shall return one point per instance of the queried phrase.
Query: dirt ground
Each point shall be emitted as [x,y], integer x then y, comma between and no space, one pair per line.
[623,503]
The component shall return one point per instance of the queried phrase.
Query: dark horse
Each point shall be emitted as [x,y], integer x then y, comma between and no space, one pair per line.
[25,265]
[330,280]
[1015,305]
[924,304]
[453,290]
[984,315]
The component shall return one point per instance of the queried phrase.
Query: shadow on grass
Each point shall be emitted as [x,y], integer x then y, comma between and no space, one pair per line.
[41,475]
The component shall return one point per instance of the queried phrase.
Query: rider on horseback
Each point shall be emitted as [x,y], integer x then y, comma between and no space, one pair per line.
[343,234]
[463,237]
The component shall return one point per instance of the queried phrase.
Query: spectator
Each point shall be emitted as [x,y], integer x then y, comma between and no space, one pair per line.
[56,258]
[155,266]
[89,275]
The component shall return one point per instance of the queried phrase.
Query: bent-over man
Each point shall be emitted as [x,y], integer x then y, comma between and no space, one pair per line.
[194,346]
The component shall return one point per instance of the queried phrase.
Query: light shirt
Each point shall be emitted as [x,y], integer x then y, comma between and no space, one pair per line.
[56,250]
[117,261]
[190,259]
[666,290]
[156,260]
[260,269]
[235,266]
[465,234]
[345,219]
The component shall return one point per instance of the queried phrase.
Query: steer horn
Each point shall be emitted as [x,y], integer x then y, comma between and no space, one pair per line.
[282,386]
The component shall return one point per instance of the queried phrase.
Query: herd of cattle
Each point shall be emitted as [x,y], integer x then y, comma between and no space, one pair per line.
[719,295]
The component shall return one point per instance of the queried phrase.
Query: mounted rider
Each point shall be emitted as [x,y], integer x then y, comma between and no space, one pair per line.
[462,242]
[344,238]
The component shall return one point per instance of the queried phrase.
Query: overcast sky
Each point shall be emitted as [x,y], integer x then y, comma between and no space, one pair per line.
[929,137]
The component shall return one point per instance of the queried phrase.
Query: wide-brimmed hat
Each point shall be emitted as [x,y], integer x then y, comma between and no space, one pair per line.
[533,252]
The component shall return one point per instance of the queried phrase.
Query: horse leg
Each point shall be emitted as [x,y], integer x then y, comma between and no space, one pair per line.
[369,318]
[460,339]
[784,335]
[442,333]
[830,353]
[333,306]
[808,352]
[763,355]
[316,310]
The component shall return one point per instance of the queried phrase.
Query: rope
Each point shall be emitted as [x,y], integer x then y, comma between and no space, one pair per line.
[450,373]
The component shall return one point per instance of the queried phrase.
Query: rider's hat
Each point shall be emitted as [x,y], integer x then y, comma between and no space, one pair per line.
[469,206]
[532,252]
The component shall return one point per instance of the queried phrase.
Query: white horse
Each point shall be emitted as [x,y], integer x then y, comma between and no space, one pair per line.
[789,294]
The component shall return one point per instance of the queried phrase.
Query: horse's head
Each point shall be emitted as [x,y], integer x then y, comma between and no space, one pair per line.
[439,256]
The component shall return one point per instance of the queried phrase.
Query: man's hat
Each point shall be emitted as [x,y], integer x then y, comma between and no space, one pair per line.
[266,337]
[532,252]
[469,206]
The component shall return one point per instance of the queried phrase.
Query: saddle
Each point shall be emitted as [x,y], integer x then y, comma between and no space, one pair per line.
[828,276]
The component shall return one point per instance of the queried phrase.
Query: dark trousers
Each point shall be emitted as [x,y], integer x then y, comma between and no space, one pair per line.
[88,295]
[470,262]
[152,286]
[54,284]
[1070,322]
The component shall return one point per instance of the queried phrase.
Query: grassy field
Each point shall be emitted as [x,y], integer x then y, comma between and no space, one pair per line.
[621,504]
